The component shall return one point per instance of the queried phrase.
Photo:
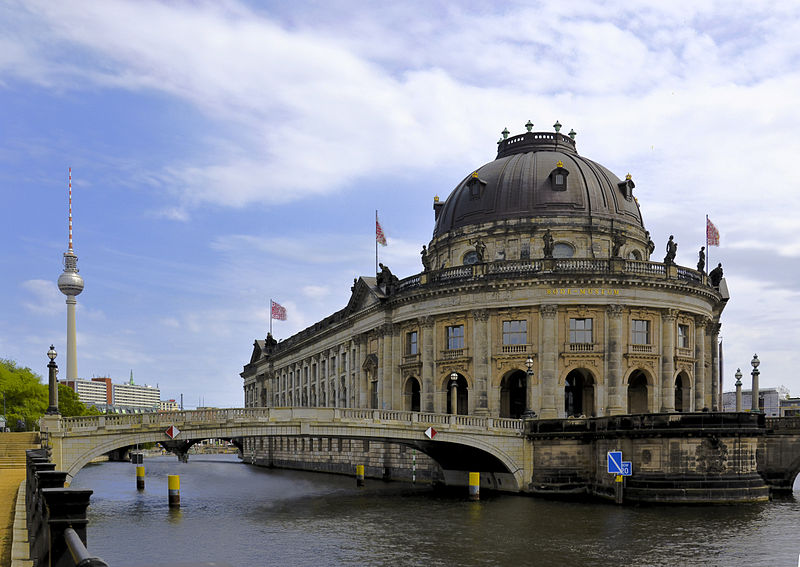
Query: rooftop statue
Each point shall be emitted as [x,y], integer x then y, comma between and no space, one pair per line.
[480,250]
[672,249]
[548,244]
[716,275]
[426,261]
[701,259]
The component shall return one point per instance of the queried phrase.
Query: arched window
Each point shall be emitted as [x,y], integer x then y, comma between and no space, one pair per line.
[563,250]
[558,177]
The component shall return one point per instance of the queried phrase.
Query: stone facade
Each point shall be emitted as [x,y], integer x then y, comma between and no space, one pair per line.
[538,296]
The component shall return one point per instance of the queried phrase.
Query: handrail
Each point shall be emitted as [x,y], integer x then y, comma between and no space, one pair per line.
[80,555]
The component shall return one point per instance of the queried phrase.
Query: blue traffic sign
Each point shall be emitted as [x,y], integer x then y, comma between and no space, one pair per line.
[614,462]
[627,468]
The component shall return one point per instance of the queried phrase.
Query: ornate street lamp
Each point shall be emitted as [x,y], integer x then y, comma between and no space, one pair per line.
[454,392]
[738,389]
[755,362]
[52,371]
[528,413]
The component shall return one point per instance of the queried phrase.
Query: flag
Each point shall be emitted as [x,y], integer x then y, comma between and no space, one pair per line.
[278,311]
[712,234]
[379,236]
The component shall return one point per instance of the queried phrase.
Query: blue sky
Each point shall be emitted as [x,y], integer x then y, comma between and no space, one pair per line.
[225,152]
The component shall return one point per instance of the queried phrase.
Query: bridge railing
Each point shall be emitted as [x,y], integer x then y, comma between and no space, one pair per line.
[56,516]
[234,415]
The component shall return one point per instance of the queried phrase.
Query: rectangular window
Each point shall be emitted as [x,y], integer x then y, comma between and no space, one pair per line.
[640,332]
[411,342]
[455,337]
[515,332]
[580,331]
[683,336]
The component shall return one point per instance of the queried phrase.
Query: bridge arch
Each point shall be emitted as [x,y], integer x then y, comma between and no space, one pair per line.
[476,443]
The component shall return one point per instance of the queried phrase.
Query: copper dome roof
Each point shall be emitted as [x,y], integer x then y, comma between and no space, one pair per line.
[523,183]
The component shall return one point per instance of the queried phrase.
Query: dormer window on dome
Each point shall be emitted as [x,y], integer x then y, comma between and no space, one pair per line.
[558,177]
[626,187]
[476,186]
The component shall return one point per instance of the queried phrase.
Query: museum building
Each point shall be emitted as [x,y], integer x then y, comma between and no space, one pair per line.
[538,296]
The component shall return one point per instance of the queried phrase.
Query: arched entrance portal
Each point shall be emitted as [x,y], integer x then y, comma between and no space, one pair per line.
[637,392]
[683,393]
[462,395]
[513,393]
[579,393]
[411,394]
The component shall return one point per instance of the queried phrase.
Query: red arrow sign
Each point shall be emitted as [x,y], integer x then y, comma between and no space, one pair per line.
[430,432]
[172,432]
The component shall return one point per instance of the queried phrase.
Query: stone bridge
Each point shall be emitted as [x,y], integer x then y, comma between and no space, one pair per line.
[702,457]
[461,443]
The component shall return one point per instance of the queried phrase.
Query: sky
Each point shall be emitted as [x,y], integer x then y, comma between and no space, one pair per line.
[227,153]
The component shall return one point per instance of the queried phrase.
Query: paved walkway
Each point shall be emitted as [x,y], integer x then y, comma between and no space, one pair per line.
[12,473]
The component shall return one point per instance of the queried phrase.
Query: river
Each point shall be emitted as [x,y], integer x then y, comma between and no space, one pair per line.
[238,514]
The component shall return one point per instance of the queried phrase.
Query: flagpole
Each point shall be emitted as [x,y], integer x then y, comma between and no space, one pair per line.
[376,242]
[270,315]
[708,248]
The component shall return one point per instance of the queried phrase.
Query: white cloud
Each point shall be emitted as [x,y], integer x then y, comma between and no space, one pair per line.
[46,300]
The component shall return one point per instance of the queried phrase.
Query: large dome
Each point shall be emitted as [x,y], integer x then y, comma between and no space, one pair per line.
[538,175]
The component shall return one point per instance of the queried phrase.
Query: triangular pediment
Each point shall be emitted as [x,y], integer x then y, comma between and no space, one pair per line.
[366,293]
[258,352]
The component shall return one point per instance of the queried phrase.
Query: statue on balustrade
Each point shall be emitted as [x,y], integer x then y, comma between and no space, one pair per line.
[672,249]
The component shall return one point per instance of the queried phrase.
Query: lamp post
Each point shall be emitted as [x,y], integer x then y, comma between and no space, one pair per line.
[528,413]
[454,392]
[52,370]
[738,389]
[755,362]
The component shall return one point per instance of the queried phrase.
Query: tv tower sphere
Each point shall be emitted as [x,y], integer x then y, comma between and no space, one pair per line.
[70,282]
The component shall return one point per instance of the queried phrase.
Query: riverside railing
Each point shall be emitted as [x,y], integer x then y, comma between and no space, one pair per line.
[56,516]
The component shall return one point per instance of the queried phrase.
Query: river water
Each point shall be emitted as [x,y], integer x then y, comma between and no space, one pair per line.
[238,514]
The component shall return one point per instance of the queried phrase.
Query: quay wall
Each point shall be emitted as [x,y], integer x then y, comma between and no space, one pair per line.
[387,461]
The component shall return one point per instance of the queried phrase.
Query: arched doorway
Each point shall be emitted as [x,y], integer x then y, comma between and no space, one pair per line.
[513,394]
[411,394]
[683,393]
[637,392]
[579,393]
[462,395]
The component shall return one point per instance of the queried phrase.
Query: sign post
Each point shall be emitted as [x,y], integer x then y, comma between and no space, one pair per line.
[620,469]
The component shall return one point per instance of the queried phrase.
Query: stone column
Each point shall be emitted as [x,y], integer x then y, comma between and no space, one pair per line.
[453,396]
[549,360]
[700,362]
[359,392]
[428,359]
[614,387]
[668,359]
[715,367]
[480,361]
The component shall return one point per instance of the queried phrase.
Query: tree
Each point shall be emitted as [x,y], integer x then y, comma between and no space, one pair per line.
[27,397]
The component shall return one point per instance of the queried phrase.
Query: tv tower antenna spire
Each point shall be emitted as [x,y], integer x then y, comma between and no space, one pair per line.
[71,284]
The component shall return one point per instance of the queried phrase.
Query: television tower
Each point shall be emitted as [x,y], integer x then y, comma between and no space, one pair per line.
[71,284]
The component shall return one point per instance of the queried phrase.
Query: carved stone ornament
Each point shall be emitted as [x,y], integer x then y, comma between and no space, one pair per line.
[480,314]
[702,321]
[669,315]
[427,321]
[548,310]
[614,310]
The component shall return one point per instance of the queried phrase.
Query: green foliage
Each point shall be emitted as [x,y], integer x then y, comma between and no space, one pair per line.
[27,397]
[70,406]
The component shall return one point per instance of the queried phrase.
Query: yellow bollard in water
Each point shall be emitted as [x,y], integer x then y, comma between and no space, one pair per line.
[474,486]
[139,477]
[359,475]
[174,487]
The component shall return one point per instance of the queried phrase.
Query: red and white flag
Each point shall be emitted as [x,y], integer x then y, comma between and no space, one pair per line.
[712,234]
[380,238]
[278,311]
